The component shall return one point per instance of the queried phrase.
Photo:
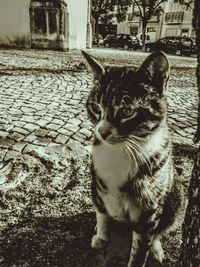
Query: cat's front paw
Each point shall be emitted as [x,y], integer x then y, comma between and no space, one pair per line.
[157,250]
[98,243]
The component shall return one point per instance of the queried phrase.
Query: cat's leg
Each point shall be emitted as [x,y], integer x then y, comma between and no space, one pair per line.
[157,250]
[140,248]
[101,239]
[143,239]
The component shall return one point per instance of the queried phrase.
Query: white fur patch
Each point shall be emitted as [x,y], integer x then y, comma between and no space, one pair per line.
[112,164]
[156,140]
[157,250]
[114,167]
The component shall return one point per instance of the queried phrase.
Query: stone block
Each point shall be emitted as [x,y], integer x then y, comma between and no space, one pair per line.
[62,139]
[49,22]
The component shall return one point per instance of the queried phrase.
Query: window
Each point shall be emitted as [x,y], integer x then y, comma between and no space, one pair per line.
[133,31]
[130,16]
[151,29]
[175,17]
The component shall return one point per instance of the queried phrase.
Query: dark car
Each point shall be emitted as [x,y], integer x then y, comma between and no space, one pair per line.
[177,45]
[94,39]
[106,40]
[122,40]
[194,46]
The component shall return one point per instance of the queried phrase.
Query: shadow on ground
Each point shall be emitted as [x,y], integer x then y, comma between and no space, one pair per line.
[47,217]
[60,242]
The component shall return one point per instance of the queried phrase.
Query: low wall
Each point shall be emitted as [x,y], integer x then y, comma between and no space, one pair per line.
[15,23]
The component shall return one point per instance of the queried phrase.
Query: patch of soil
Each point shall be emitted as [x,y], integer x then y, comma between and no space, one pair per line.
[47,218]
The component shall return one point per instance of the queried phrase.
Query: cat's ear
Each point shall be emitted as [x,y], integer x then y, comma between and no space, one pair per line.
[155,71]
[97,68]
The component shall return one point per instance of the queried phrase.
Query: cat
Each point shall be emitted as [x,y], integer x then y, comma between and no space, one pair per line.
[132,168]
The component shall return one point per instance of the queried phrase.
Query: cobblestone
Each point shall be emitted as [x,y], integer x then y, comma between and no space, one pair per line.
[19,146]
[43,99]
[62,139]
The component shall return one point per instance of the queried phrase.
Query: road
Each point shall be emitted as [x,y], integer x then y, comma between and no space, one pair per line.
[43,97]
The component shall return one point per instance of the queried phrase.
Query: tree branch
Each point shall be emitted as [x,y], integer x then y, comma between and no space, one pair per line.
[162,1]
[139,7]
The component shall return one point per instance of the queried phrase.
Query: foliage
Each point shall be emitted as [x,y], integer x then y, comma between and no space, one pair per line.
[105,10]
[187,3]
[148,9]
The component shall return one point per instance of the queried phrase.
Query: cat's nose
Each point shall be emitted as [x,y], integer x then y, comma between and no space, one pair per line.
[104,132]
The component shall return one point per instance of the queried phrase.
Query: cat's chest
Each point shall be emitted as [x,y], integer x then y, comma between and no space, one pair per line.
[114,168]
[113,165]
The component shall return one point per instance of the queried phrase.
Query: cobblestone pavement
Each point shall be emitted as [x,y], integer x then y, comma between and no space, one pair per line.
[43,97]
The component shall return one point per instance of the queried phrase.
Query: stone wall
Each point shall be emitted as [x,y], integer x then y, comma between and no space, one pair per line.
[49,21]
[77,23]
[15,23]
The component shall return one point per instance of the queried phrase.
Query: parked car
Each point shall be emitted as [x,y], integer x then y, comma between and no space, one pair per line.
[134,44]
[177,45]
[94,40]
[121,40]
[147,38]
[194,46]
[106,40]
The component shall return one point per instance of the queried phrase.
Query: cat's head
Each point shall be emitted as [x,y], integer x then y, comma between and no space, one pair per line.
[126,101]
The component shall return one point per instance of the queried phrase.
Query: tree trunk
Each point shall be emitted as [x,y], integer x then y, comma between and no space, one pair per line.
[190,254]
[97,29]
[144,27]
[196,24]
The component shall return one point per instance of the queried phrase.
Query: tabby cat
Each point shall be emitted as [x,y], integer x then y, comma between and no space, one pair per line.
[133,181]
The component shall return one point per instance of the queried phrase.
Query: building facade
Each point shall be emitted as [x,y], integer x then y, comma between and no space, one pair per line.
[133,25]
[175,20]
[63,23]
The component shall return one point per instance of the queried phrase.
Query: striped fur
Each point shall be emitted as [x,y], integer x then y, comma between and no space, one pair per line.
[132,166]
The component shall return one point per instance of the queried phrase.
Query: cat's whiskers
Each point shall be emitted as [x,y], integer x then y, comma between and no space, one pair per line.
[130,153]
[137,137]
[138,155]
[139,149]
[141,145]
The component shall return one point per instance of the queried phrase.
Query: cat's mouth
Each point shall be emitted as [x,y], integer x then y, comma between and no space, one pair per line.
[108,141]
[114,140]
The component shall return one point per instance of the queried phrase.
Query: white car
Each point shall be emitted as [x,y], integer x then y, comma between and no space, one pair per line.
[147,38]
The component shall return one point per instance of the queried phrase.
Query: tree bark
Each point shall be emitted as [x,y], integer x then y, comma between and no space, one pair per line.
[190,254]
[97,29]
[144,27]
[196,24]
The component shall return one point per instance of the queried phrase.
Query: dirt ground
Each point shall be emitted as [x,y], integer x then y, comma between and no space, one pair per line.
[47,217]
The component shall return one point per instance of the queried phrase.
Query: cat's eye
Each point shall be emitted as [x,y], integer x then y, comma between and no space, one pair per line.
[95,108]
[127,112]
